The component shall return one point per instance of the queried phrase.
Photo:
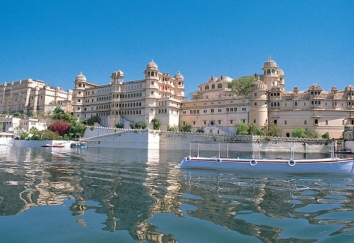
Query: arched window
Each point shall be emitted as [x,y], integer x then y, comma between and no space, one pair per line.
[213,86]
[206,87]
[229,85]
[219,86]
[268,71]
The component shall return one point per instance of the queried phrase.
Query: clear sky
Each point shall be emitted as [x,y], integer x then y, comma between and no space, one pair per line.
[53,41]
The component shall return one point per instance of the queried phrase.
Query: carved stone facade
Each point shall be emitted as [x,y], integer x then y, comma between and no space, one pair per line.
[215,106]
[157,95]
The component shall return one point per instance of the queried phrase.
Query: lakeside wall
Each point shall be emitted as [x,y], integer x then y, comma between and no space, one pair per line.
[102,137]
[164,140]
[122,138]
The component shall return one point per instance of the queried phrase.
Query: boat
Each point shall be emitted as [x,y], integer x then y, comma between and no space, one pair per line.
[343,151]
[81,145]
[53,146]
[278,165]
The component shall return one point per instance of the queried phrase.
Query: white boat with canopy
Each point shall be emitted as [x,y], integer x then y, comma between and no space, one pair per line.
[325,165]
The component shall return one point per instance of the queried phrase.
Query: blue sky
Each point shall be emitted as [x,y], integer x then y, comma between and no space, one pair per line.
[312,41]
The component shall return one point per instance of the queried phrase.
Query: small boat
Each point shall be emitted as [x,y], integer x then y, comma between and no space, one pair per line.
[297,166]
[343,151]
[81,145]
[53,146]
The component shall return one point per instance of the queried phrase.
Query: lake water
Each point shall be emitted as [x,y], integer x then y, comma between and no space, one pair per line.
[113,195]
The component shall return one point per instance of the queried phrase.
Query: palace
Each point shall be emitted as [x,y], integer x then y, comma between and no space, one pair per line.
[159,96]
[215,108]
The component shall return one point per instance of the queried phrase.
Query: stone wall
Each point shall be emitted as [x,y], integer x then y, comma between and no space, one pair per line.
[184,141]
[187,141]
[122,138]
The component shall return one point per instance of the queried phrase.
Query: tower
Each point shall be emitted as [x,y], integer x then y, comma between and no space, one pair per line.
[78,95]
[258,109]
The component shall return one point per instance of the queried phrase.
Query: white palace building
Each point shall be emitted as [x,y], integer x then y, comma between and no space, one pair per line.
[215,108]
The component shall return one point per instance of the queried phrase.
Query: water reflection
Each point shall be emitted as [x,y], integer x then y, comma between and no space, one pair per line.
[141,192]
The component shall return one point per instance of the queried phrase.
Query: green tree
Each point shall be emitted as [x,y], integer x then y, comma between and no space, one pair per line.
[49,135]
[242,85]
[272,130]
[24,135]
[311,133]
[325,135]
[186,128]
[200,130]
[299,133]
[253,129]
[35,134]
[77,129]
[172,128]
[91,121]
[119,125]
[242,129]
[140,125]
[155,123]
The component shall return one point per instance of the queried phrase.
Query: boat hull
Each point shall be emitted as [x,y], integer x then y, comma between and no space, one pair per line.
[330,166]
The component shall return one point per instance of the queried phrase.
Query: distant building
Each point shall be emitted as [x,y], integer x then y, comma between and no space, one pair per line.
[28,96]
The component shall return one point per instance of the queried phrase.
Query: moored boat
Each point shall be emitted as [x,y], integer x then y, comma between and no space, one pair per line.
[291,165]
[78,145]
[53,145]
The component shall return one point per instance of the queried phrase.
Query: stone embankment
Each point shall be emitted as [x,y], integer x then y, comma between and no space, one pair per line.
[163,140]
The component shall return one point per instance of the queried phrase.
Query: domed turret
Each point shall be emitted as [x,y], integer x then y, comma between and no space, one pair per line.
[259,85]
[152,66]
[270,63]
[224,78]
[280,72]
[80,78]
[179,76]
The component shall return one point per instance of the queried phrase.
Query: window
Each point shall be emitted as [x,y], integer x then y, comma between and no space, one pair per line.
[212,110]
[219,121]
[305,122]
[206,87]
[285,122]
[219,110]
[213,86]
[231,121]
[327,122]
[219,86]
[275,122]
[316,121]
[243,108]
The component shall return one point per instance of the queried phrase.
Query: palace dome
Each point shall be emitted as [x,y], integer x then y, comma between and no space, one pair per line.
[315,87]
[280,72]
[270,63]
[179,76]
[259,85]
[224,78]
[152,65]
[80,77]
